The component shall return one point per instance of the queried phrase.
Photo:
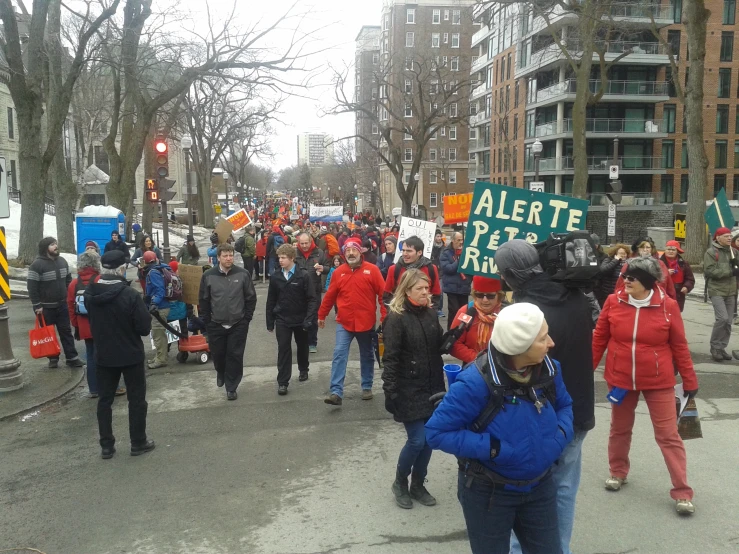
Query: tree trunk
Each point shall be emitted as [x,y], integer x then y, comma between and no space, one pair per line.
[579,109]
[65,200]
[30,166]
[204,196]
[696,17]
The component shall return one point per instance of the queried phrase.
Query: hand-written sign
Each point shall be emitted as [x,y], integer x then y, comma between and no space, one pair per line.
[191,276]
[499,214]
[239,220]
[457,208]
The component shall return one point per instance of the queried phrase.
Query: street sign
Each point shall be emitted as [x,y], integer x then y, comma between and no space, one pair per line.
[536,186]
[613,172]
[414,210]
[4,200]
[611,210]
[611,226]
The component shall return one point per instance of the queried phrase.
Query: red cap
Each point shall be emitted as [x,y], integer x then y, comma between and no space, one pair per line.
[722,231]
[149,257]
[175,265]
[485,284]
[353,242]
[674,244]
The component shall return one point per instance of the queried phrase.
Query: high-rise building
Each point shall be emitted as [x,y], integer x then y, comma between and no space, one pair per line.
[315,149]
[527,89]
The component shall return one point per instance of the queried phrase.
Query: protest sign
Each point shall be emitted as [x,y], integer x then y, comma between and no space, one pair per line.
[239,220]
[326,213]
[719,213]
[457,208]
[499,214]
[171,337]
[424,230]
[223,230]
[191,276]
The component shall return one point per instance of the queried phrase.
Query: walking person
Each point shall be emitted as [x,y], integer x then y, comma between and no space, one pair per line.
[356,289]
[386,260]
[292,308]
[680,271]
[48,280]
[456,285]
[246,245]
[226,302]
[642,329]
[155,296]
[314,261]
[189,253]
[507,459]
[115,243]
[118,320]
[412,258]
[721,271]
[412,374]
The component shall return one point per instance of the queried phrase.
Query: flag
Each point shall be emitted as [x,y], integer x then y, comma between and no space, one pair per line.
[719,213]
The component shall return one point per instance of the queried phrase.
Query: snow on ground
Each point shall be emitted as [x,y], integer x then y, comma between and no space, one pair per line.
[13,228]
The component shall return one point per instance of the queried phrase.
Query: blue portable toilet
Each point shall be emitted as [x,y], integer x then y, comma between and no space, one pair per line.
[97,223]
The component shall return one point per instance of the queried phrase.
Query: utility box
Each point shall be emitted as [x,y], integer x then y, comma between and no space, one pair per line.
[97,223]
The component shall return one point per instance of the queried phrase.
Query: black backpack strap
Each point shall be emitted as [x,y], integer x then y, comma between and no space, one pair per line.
[496,394]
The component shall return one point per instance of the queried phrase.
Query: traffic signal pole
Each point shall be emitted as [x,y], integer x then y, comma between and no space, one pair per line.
[165,232]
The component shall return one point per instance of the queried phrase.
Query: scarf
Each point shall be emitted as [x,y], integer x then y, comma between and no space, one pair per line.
[679,276]
[485,326]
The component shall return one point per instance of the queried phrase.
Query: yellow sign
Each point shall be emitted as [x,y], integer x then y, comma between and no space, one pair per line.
[4,279]
[679,226]
[217,208]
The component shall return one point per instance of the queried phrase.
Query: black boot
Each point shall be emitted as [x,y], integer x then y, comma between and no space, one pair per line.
[400,490]
[418,491]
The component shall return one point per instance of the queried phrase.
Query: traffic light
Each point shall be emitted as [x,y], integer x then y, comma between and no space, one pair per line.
[152,190]
[615,194]
[162,156]
[164,185]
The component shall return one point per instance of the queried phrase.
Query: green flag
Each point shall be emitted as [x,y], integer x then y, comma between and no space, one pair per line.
[719,213]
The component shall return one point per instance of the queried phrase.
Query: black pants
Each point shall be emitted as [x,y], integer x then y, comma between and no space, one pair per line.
[313,330]
[454,303]
[249,265]
[227,348]
[60,317]
[135,380]
[285,351]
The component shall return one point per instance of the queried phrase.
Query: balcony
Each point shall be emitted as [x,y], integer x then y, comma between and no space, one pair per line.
[480,63]
[599,164]
[481,35]
[478,119]
[641,12]
[480,91]
[633,128]
[478,145]
[623,91]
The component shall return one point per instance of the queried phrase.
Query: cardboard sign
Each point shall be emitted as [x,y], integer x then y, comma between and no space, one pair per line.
[499,214]
[239,220]
[223,230]
[457,208]
[424,230]
[719,213]
[191,276]
[171,337]
[326,213]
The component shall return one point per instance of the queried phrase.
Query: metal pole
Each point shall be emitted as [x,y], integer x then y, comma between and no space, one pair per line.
[189,195]
[10,377]
[536,166]
[165,232]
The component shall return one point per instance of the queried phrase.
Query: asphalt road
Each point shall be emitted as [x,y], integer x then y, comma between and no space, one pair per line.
[287,475]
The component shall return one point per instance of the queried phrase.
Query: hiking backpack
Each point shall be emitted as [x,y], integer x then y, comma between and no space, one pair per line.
[569,258]
[172,283]
[240,245]
[79,296]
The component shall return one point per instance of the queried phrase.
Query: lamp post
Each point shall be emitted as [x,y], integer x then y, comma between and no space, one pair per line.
[186,143]
[417,177]
[536,148]
[228,203]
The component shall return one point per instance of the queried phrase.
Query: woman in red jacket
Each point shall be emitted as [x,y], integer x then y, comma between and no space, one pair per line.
[643,331]
[488,301]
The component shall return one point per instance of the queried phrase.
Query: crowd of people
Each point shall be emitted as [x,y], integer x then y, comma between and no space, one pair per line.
[518,413]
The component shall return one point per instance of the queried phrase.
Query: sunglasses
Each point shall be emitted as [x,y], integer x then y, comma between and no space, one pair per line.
[488,295]
[629,278]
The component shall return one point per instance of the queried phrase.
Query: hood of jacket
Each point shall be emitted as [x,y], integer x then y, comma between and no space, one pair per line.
[86,274]
[105,290]
[543,290]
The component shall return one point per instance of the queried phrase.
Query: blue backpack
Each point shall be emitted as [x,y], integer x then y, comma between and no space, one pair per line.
[79,297]
[278,241]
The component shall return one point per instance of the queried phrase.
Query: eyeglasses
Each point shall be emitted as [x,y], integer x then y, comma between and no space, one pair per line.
[629,278]
[488,295]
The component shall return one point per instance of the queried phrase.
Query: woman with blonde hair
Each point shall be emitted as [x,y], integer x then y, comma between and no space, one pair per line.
[412,374]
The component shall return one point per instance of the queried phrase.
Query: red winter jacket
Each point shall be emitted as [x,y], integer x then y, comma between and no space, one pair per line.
[80,322]
[643,343]
[465,348]
[356,293]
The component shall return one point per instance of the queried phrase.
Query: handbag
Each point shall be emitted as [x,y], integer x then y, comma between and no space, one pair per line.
[44,343]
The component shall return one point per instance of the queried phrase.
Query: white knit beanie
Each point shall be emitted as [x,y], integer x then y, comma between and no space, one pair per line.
[516,328]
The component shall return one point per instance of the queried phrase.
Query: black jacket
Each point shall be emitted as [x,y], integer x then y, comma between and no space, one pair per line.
[48,279]
[293,303]
[118,320]
[413,368]
[120,245]
[610,272]
[567,311]
[224,298]
[316,256]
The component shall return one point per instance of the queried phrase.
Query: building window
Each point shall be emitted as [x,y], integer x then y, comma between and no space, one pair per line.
[721,154]
[719,182]
[432,200]
[677,11]
[727,46]
[436,17]
[515,95]
[456,17]
[684,184]
[666,188]
[407,135]
[435,40]
[452,154]
[455,63]
[408,86]
[11,127]
[452,133]
[453,109]
[729,12]
[433,177]
[375,58]
[409,37]
[432,154]
[13,175]
[668,154]
[722,119]
[452,176]
[446,15]
[442,153]
[668,117]
[375,129]
[406,177]
[410,15]
[455,40]
[736,154]
[724,82]
[673,41]
[514,155]
[684,154]
[408,155]
[408,110]
[409,64]
[445,38]
[508,72]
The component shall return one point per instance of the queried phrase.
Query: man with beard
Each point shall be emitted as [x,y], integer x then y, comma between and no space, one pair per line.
[356,288]
[412,258]
[314,261]
[189,253]
[48,280]
[115,243]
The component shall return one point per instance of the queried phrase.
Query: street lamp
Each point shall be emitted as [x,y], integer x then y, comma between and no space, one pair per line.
[228,204]
[417,177]
[536,148]
[186,143]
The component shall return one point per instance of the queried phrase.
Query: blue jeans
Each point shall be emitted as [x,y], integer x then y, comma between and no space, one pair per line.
[566,477]
[416,453]
[491,513]
[92,378]
[341,355]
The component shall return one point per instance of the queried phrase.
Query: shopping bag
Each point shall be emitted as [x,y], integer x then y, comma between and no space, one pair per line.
[689,424]
[44,343]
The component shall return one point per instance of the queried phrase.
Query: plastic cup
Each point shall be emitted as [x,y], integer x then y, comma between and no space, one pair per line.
[451,371]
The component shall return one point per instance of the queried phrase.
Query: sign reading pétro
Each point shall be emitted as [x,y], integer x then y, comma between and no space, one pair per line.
[499,214]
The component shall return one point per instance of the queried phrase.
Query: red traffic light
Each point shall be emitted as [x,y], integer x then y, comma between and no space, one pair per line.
[160,146]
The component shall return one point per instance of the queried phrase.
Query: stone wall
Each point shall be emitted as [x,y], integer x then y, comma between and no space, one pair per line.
[631,221]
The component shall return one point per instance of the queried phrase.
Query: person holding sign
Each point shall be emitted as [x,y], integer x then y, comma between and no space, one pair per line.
[412,258]
[720,268]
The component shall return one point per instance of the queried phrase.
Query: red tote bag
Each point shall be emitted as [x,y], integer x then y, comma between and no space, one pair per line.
[44,343]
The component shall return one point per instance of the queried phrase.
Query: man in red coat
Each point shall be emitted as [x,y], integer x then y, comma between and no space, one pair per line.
[356,289]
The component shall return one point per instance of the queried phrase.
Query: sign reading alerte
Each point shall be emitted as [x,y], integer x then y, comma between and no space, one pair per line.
[501,213]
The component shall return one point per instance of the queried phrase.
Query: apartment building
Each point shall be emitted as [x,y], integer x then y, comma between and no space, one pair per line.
[315,149]
[433,34]
[366,67]
[519,60]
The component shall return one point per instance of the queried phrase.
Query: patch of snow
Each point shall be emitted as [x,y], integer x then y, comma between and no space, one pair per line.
[100,211]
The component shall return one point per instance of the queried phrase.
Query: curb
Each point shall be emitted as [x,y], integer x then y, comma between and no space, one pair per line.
[46,402]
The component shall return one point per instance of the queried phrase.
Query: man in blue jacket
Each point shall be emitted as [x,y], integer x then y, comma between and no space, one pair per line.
[156,300]
[456,285]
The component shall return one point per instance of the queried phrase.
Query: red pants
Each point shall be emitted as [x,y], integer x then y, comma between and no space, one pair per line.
[661,405]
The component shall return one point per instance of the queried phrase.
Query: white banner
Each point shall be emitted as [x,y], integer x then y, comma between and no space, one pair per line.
[424,230]
[326,213]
